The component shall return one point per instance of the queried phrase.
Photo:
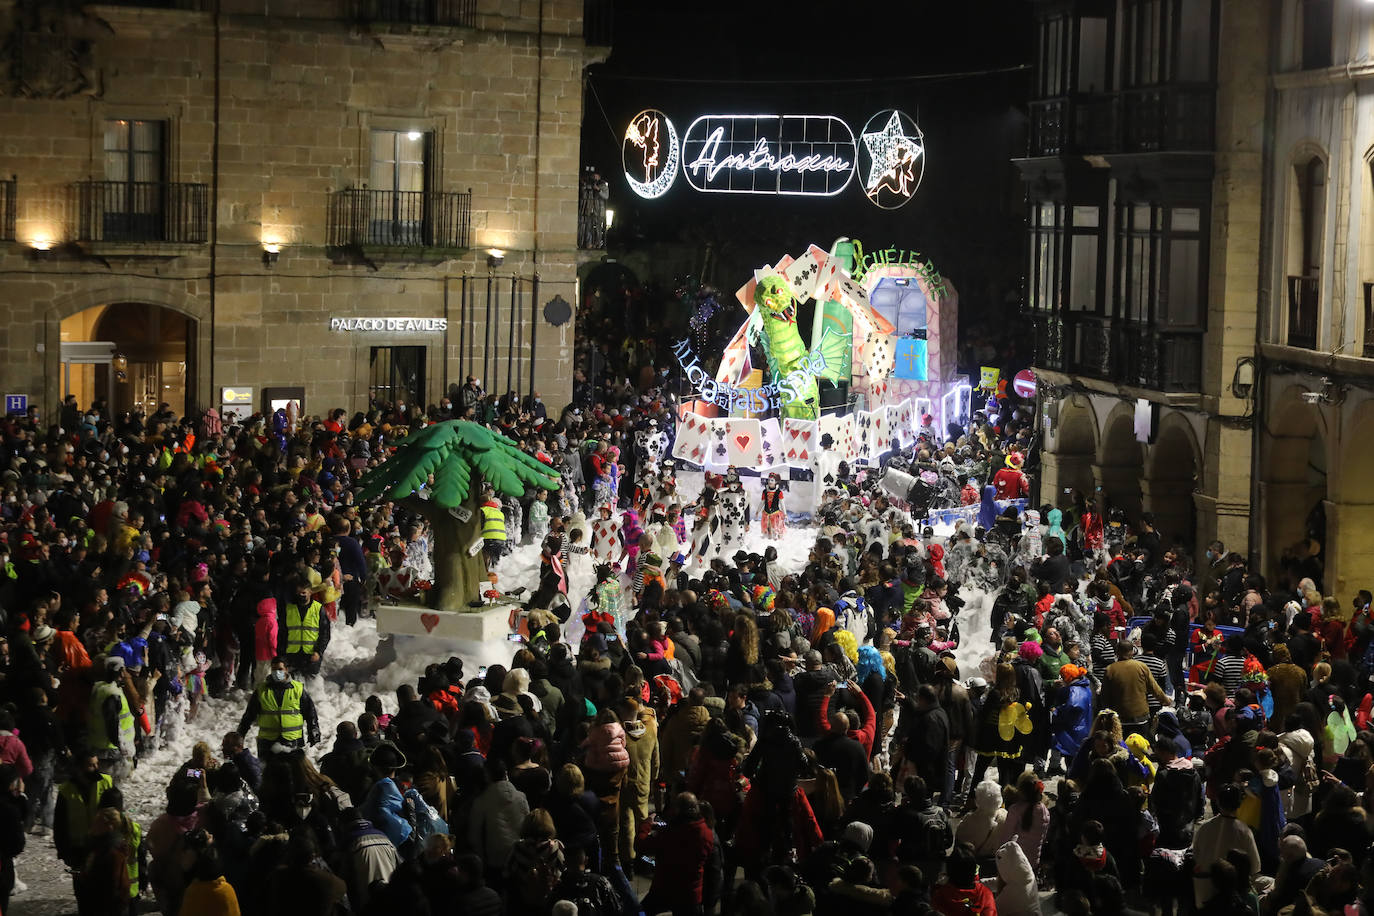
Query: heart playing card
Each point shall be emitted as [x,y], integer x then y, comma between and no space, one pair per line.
[770,444]
[799,442]
[899,422]
[744,443]
[841,430]
[878,440]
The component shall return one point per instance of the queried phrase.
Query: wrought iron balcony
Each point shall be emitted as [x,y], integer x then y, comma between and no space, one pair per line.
[8,197]
[417,12]
[1049,340]
[359,217]
[1304,303]
[143,211]
[192,5]
[1168,118]
[1135,354]
[1153,119]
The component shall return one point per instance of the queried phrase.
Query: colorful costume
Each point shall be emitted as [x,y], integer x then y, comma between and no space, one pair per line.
[773,517]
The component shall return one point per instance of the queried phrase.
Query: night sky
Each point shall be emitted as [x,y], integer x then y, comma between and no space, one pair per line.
[850,60]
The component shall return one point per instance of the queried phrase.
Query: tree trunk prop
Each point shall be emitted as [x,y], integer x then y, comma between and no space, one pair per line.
[459,579]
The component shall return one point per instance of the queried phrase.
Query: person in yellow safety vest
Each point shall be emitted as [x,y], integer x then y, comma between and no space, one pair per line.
[493,531]
[78,799]
[283,712]
[110,727]
[303,630]
[136,855]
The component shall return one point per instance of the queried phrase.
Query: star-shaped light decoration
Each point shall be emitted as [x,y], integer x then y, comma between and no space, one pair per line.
[893,157]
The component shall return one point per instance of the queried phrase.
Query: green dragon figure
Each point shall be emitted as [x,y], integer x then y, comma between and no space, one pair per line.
[794,369]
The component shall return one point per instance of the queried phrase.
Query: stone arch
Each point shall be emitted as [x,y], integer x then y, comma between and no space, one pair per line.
[1070,465]
[1120,461]
[1293,485]
[1171,478]
[128,290]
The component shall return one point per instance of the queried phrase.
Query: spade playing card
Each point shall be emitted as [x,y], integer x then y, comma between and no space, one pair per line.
[878,356]
[799,441]
[744,443]
[770,444]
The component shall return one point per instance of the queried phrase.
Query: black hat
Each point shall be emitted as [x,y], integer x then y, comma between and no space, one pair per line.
[387,757]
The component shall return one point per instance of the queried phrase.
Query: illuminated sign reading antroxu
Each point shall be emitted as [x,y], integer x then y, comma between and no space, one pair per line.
[801,155]
[769,154]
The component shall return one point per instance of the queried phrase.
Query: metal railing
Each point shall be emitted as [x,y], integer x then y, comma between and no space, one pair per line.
[9,194]
[143,211]
[1303,305]
[418,12]
[1155,118]
[598,22]
[1168,118]
[400,219]
[1049,340]
[1134,353]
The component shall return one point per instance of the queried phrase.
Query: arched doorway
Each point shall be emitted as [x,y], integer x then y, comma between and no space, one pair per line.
[1293,484]
[1171,482]
[130,355]
[1120,465]
[1075,446]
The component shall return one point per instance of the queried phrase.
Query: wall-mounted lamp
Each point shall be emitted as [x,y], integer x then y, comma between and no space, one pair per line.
[495,257]
[120,363]
[270,253]
[1243,382]
[41,249]
[610,218]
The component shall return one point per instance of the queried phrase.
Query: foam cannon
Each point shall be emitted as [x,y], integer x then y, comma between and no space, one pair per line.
[905,488]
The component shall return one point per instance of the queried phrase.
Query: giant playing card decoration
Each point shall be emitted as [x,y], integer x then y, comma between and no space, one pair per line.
[770,444]
[800,441]
[744,443]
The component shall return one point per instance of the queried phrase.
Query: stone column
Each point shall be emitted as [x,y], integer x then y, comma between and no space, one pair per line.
[1350,555]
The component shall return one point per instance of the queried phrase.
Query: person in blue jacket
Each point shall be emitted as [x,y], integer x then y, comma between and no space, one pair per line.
[1071,721]
[385,805]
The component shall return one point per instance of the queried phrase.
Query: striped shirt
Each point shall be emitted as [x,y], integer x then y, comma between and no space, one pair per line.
[1160,670]
[1104,653]
[1231,670]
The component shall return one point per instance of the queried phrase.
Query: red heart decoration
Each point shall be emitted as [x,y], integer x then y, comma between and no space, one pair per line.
[742,441]
[806,435]
[804,456]
[791,453]
[430,621]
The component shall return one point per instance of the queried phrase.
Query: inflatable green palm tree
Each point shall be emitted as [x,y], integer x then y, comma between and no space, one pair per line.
[432,472]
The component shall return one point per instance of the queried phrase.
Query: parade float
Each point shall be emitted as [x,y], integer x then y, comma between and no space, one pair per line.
[883,336]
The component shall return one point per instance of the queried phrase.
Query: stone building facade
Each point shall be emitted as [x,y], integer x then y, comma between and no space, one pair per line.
[1315,475]
[1144,188]
[204,190]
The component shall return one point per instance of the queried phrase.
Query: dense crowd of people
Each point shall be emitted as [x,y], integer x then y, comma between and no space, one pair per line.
[747,737]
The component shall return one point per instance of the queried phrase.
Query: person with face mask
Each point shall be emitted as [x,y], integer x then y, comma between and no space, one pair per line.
[303,630]
[283,711]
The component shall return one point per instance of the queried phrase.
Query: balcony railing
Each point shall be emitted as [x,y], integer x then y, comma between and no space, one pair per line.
[1132,353]
[1171,118]
[598,22]
[8,197]
[1158,118]
[143,211]
[418,12]
[1049,340]
[359,217]
[1303,304]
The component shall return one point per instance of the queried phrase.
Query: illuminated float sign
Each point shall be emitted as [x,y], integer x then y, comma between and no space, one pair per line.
[778,393]
[805,155]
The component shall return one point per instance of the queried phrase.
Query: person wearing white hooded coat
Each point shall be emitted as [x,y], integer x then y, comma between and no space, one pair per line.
[1015,890]
[980,827]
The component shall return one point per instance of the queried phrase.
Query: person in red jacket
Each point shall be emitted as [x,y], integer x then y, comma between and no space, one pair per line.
[680,847]
[962,894]
[1010,482]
